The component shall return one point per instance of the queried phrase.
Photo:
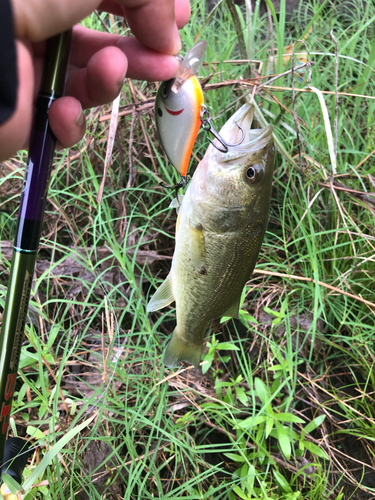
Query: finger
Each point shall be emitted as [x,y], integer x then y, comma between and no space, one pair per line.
[182,10]
[37,20]
[14,133]
[153,23]
[143,63]
[101,81]
[103,78]
[67,121]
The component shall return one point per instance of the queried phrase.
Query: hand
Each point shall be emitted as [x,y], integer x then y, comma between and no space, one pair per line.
[99,61]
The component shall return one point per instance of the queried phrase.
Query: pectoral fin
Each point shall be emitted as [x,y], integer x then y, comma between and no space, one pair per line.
[233,311]
[163,296]
[197,245]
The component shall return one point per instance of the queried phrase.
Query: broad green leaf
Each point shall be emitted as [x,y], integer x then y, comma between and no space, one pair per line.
[219,385]
[261,390]
[250,422]
[275,368]
[227,346]
[244,471]
[49,358]
[250,479]
[235,457]
[206,365]
[269,426]
[243,295]
[240,493]
[283,439]
[273,313]
[225,318]
[34,432]
[241,394]
[314,423]
[313,448]
[22,393]
[260,433]
[282,482]
[246,317]
[231,495]
[54,332]
[28,359]
[209,356]
[229,397]
[289,417]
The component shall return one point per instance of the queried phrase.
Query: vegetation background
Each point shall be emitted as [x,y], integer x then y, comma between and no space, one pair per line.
[283,404]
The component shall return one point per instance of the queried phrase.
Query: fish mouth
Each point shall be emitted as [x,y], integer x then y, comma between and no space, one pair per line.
[254,138]
[174,113]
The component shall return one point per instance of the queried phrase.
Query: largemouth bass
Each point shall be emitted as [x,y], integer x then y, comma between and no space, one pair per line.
[220,228]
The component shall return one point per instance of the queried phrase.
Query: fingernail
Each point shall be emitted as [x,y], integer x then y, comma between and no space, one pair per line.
[80,119]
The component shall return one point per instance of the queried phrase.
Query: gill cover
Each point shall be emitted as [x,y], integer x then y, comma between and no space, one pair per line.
[177,110]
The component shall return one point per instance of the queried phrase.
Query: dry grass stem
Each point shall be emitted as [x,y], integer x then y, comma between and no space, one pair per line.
[111,140]
[320,283]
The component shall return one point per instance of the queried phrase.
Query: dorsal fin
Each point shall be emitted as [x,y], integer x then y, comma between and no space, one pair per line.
[233,310]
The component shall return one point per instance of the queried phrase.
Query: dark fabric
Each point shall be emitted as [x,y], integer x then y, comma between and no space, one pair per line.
[8,62]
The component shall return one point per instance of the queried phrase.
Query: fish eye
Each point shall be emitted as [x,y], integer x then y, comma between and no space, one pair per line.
[164,92]
[160,112]
[254,173]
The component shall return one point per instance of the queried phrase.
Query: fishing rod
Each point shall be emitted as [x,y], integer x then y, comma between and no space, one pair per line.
[13,452]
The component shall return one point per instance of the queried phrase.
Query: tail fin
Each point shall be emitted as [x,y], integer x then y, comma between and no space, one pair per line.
[179,350]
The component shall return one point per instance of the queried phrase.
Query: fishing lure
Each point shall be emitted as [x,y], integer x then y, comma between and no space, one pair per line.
[180,112]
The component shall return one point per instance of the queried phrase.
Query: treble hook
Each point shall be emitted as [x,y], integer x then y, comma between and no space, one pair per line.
[207,125]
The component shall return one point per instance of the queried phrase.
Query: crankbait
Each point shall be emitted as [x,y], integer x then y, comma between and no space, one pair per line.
[178,107]
[180,112]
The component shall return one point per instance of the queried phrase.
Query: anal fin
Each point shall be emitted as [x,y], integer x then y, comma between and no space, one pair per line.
[163,296]
[233,310]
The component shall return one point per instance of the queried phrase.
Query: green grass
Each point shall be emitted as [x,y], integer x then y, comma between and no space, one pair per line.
[286,410]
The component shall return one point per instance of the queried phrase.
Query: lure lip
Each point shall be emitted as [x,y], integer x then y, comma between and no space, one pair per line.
[190,65]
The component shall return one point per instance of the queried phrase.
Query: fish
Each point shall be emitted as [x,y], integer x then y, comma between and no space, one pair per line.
[178,107]
[221,223]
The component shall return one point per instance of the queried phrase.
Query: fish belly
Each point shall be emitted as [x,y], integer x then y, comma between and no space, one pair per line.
[208,293]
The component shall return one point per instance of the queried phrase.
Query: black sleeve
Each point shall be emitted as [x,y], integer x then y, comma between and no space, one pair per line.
[8,62]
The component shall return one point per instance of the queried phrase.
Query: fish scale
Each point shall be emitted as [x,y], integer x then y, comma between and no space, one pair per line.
[221,224]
